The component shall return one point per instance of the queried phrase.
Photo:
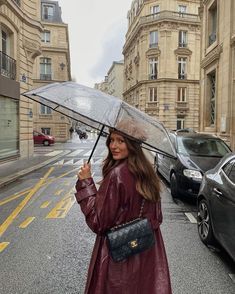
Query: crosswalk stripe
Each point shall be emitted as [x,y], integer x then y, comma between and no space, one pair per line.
[88,153]
[61,162]
[76,152]
[68,162]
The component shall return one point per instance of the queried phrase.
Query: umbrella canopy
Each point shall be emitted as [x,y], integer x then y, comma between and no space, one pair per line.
[98,109]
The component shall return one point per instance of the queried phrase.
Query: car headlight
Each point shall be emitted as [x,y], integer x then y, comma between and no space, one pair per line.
[190,173]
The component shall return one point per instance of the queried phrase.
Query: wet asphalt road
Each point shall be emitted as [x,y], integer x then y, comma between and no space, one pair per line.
[48,244]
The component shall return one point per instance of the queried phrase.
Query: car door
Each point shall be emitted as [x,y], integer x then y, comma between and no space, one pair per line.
[223,206]
[36,137]
[165,162]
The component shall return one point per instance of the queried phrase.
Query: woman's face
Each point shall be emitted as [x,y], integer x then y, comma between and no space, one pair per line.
[118,146]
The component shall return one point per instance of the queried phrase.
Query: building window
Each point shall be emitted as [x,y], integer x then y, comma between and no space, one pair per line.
[182,9]
[46,131]
[212,23]
[153,94]
[45,68]
[212,96]
[180,122]
[153,39]
[182,39]
[45,110]
[154,9]
[47,11]
[181,94]
[46,37]
[153,64]
[182,68]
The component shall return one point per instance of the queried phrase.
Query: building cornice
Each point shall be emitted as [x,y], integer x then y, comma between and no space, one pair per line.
[153,52]
[22,15]
[170,18]
[212,56]
[183,51]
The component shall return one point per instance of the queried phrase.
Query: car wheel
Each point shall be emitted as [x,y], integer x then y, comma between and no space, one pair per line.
[204,226]
[46,143]
[174,186]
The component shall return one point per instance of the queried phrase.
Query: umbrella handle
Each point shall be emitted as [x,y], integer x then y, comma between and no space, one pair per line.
[96,142]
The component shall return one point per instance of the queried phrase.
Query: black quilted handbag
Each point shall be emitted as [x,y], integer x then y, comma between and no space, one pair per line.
[130,238]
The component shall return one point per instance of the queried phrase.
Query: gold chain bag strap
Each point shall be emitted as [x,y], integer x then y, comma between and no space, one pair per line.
[130,238]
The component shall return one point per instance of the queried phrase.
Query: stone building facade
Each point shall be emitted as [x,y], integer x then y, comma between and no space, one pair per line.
[24,36]
[20,31]
[113,82]
[217,104]
[53,65]
[162,60]
[115,79]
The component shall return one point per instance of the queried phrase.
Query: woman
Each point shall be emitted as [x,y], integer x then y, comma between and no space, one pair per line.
[127,177]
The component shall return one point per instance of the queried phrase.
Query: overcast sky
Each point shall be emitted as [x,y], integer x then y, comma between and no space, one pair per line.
[97,31]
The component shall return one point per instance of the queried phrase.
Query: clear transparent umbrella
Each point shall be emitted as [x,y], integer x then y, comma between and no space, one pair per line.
[102,111]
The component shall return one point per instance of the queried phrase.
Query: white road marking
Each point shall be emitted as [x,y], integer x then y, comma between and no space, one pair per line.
[191,217]
[70,162]
[232,276]
[53,153]
[61,162]
[76,152]
[88,153]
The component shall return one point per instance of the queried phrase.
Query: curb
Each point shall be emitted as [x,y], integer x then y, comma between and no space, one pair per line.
[9,179]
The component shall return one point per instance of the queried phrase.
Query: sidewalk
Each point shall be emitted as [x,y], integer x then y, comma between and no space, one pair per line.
[10,171]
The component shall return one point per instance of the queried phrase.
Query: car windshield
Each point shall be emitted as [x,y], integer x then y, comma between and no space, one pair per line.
[202,146]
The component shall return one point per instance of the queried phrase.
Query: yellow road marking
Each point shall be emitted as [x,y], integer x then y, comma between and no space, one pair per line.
[45,204]
[62,208]
[19,194]
[57,193]
[13,197]
[25,223]
[3,245]
[18,209]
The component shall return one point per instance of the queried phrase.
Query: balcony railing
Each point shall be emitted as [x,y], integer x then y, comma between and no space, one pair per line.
[182,76]
[183,45]
[45,77]
[7,66]
[152,76]
[169,15]
[153,45]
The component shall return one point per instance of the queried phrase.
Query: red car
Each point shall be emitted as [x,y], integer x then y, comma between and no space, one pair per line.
[40,138]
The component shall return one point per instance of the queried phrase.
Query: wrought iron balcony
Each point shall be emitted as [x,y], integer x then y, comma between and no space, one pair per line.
[45,77]
[182,76]
[183,45]
[152,76]
[7,66]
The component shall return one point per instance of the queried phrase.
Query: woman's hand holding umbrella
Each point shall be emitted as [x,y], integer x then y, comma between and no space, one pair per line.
[85,171]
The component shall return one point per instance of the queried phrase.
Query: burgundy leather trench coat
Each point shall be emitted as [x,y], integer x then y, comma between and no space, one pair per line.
[116,202]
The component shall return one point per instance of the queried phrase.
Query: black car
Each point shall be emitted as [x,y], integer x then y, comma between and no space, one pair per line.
[196,153]
[82,134]
[216,205]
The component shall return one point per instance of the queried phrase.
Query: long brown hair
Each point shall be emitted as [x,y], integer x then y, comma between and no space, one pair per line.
[147,182]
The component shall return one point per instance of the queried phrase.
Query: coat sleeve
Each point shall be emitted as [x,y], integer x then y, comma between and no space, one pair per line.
[99,207]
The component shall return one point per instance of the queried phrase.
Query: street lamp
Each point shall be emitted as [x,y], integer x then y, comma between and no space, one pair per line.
[62,65]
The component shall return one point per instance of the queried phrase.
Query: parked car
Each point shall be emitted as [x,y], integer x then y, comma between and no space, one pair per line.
[40,138]
[216,205]
[196,153]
